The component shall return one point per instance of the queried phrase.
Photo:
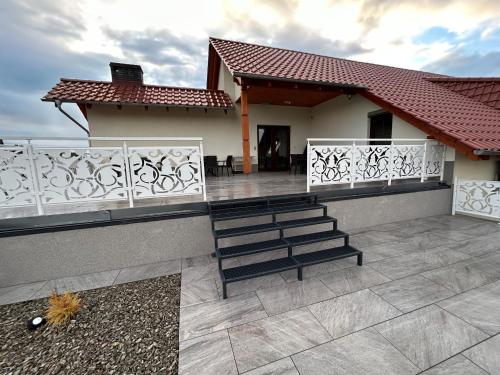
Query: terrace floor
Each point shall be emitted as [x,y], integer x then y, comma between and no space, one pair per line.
[426,300]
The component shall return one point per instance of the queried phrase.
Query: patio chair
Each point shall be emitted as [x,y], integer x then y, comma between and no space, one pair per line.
[210,164]
[295,162]
[228,164]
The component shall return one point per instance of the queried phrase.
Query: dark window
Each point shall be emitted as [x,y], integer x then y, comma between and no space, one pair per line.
[380,127]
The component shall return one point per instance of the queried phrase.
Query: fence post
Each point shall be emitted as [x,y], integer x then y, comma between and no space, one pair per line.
[454,200]
[128,175]
[424,163]
[308,166]
[34,178]
[443,161]
[202,167]
[389,181]
[352,163]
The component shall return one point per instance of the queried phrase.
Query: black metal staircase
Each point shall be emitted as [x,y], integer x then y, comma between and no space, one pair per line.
[253,208]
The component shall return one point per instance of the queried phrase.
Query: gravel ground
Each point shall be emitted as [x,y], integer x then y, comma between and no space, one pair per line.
[124,329]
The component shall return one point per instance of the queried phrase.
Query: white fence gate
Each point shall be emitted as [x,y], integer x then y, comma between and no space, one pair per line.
[477,197]
[40,176]
[350,161]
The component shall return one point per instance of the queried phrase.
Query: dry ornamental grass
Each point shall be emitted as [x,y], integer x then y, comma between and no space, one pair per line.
[62,307]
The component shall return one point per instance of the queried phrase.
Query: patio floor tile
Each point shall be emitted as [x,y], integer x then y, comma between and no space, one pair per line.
[312,271]
[209,354]
[372,237]
[352,279]
[258,343]
[250,285]
[412,292]
[479,307]
[458,365]
[478,246]
[198,292]
[287,297]
[352,312]
[78,283]
[201,260]
[19,293]
[365,352]
[407,265]
[214,316]
[386,250]
[148,271]
[430,335]
[469,274]
[486,355]
[284,366]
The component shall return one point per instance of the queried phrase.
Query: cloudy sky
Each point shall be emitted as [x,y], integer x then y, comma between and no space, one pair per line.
[44,40]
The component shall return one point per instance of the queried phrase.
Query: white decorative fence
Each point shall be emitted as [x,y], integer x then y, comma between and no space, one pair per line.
[40,176]
[350,161]
[477,197]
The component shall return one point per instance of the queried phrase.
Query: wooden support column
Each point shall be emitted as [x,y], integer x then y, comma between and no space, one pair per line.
[245,131]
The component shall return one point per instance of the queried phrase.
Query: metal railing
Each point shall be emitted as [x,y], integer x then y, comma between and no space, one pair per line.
[40,176]
[477,198]
[355,160]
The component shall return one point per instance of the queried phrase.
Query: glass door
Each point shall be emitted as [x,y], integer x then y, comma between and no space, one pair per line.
[274,147]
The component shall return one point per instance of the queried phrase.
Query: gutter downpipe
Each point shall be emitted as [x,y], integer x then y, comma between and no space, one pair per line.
[59,106]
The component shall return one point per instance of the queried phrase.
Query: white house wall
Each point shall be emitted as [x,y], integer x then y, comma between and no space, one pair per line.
[221,132]
[475,169]
[344,118]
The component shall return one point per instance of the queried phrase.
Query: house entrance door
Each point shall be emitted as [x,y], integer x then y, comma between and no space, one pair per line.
[274,147]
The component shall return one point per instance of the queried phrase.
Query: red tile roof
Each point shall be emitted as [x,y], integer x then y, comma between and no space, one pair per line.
[485,90]
[455,119]
[82,91]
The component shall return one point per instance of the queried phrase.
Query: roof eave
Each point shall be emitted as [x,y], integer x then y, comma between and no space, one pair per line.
[138,104]
[302,81]
[487,152]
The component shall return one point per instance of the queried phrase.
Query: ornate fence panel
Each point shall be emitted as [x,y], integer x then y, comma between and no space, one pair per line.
[354,163]
[371,163]
[41,176]
[165,171]
[81,174]
[330,164]
[477,197]
[16,179]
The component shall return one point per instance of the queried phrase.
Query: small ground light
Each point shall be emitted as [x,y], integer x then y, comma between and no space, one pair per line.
[34,323]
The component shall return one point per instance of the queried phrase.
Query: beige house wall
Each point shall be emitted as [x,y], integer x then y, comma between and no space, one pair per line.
[344,118]
[475,169]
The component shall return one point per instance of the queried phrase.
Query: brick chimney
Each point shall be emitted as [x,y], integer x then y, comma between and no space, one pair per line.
[126,73]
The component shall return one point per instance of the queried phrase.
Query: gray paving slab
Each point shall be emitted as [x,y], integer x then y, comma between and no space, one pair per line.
[352,279]
[411,293]
[78,283]
[291,296]
[430,335]
[362,353]
[399,267]
[284,366]
[148,271]
[198,292]
[486,355]
[250,285]
[267,340]
[352,312]
[479,307]
[458,365]
[214,316]
[468,274]
[19,293]
[210,354]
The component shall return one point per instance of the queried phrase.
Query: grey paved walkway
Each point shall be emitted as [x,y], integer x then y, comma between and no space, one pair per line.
[427,300]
